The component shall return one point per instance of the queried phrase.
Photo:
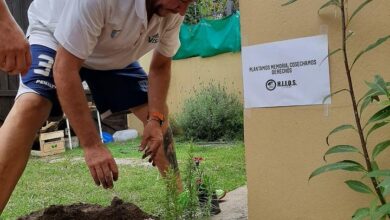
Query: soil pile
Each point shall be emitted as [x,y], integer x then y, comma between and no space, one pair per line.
[118,210]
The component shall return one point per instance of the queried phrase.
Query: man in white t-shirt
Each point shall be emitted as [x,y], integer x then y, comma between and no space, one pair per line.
[97,41]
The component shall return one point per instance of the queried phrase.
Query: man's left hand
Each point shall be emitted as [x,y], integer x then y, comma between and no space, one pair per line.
[152,140]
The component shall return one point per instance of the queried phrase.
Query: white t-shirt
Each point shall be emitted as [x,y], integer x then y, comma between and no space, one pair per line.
[107,34]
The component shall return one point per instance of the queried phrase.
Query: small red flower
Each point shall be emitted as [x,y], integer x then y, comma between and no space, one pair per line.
[197,160]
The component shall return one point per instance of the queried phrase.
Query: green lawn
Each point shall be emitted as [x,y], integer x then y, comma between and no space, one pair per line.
[68,181]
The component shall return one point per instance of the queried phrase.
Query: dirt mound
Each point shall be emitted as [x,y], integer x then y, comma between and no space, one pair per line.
[118,210]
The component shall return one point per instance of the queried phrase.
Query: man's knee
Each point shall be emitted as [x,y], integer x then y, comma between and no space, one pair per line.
[32,107]
[32,102]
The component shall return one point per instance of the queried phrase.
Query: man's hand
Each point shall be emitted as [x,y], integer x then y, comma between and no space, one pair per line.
[102,165]
[152,139]
[15,54]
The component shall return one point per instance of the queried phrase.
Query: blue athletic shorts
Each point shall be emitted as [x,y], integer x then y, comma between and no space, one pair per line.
[112,91]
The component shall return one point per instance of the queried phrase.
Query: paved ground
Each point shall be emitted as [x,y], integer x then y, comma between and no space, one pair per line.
[235,205]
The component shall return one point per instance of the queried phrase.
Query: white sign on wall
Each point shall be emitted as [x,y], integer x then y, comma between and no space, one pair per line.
[286,73]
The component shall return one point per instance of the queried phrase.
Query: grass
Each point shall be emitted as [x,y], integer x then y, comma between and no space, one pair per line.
[67,182]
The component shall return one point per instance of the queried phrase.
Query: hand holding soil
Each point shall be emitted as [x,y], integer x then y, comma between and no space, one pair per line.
[102,166]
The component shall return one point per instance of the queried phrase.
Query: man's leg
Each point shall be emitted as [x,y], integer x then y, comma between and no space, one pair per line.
[16,137]
[165,158]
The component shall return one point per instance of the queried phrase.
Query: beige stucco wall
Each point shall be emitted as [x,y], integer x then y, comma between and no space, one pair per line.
[193,73]
[284,145]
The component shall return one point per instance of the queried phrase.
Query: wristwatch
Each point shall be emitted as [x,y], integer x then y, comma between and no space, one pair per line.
[157,116]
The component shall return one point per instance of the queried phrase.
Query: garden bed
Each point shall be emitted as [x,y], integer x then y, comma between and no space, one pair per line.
[118,210]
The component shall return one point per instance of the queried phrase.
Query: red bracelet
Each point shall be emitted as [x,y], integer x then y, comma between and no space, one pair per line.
[157,116]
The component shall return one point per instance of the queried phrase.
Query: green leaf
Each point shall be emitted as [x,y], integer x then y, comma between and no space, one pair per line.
[376,126]
[341,149]
[332,94]
[339,128]
[382,211]
[377,88]
[329,3]
[370,93]
[358,9]
[358,186]
[330,54]
[379,148]
[379,85]
[373,208]
[289,2]
[380,115]
[351,33]
[341,165]
[385,103]
[358,166]
[374,165]
[368,98]
[370,47]
[385,184]
[361,214]
[378,173]
[367,101]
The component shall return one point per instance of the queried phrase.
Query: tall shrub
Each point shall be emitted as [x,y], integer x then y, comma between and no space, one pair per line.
[212,114]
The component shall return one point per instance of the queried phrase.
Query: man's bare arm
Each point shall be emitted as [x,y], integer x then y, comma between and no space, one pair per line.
[74,103]
[159,79]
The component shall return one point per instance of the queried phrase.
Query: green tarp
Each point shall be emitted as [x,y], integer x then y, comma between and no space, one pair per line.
[210,37]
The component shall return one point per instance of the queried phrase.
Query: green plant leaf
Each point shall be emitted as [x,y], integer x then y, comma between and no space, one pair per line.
[370,47]
[366,102]
[367,99]
[375,127]
[339,128]
[379,148]
[380,115]
[358,166]
[374,165]
[385,186]
[378,173]
[358,9]
[289,2]
[385,182]
[341,149]
[369,93]
[351,33]
[341,165]
[330,54]
[332,94]
[373,207]
[358,186]
[329,3]
[382,211]
[379,86]
[361,214]
[385,102]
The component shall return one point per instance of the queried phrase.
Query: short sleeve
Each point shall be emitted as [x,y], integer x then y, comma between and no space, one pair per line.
[170,42]
[80,26]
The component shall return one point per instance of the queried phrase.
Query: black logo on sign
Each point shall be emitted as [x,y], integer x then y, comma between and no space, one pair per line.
[154,39]
[270,85]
